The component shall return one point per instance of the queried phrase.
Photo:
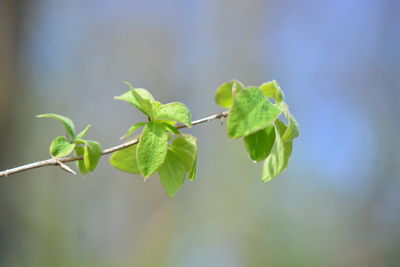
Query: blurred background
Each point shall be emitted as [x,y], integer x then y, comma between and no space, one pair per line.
[338,63]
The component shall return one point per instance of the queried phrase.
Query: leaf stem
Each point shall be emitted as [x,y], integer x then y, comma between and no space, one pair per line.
[60,161]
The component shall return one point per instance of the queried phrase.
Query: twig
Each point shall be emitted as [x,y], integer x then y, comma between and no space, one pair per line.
[60,161]
[66,168]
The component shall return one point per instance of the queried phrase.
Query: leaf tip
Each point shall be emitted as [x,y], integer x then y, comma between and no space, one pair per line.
[129,85]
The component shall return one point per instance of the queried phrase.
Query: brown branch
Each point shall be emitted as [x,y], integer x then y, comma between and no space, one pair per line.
[60,161]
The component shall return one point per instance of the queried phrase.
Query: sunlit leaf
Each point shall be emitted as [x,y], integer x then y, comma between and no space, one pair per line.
[146,105]
[68,124]
[279,157]
[82,134]
[225,93]
[273,90]
[60,147]
[170,128]
[185,147]
[175,111]
[152,148]
[91,155]
[250,112]
[79,150]
[125,160]
[139,98]
[193,172]
[133,129]
[172,173]
[292,130]
[259,144]
[80,141]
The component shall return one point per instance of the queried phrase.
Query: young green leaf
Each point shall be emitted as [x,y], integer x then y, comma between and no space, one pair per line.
[292,130]
[185,147]
[68,124]
[133,129]
[172,173]
[139,98]
[259,144]
[79,151]
[250,112]
[273,90]
[152,148]
[125,160]
[60,147]
[174,112]
[145,94]
[170,128]
[82,134]
[157,104]
[278,159]
[80,142]
[192,174]
[225,93]
[91,155]
[145,103]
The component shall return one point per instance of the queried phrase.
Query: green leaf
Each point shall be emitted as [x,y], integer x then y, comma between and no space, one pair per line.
[60,147]
[79,150]
[152,148]
[80,141]
[139,98]
[273,90]
[172,173]
[250,112]
[68,124]
[125,160]
[146,105]
[157,104]
[82,134]
[185,147]
[174,112]
[292,130]
[91,155]
[145,94]
[192,174]
[279,157]
[259,144]
[170,128]
[225,93]
[133,129]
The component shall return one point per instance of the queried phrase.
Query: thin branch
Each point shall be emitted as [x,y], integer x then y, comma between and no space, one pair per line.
[60,161]
[66,168]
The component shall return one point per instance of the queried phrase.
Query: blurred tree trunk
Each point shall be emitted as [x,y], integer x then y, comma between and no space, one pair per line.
[10,36]
[11,24]
[11,33]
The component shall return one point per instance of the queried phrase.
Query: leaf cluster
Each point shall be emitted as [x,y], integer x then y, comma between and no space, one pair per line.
[162,147]
[254,115]
[63,146]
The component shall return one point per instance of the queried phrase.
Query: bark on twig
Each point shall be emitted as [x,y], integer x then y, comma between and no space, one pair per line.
[60,161]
